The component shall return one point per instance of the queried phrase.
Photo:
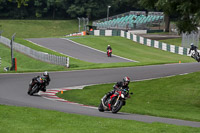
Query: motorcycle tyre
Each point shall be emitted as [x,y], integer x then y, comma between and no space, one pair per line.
[118,107]
[33,90]
[100,108]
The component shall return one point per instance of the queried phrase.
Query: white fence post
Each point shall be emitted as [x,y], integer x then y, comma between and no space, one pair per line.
[67,62]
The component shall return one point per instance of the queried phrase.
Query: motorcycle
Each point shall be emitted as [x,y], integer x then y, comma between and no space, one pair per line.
[109,52]
[38,83]
[196,56]
[115,102]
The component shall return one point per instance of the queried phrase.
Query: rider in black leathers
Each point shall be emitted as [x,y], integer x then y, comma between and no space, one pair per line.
[46,78]
[193,48]
[118,85]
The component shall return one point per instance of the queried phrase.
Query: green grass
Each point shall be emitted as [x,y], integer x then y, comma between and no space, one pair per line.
[176,41]
[132,50]
[38,28]
[174,97]
[25,63]
[44,121]
[121,46]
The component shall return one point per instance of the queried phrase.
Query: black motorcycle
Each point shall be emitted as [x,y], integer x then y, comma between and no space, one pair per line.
[196,56]
[115,102]
[38,84]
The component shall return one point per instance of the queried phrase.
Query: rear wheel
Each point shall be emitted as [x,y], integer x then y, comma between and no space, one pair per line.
[100,108]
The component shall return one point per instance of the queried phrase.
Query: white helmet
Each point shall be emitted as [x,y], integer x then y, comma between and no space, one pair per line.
[192,44]
[45,73]
[108,45]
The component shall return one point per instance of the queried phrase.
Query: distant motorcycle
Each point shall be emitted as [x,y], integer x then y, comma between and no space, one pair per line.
[196,56]
[109,52]
[115,102]
[39,83]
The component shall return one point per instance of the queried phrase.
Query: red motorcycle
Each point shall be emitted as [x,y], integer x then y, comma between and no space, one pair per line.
[109,52]
[115,102]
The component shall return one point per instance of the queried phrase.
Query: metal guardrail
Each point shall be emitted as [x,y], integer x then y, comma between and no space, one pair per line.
[58,60]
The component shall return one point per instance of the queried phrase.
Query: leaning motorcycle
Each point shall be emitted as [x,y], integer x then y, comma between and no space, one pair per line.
[109,52]
[38,83]
[115,102]
[196,56]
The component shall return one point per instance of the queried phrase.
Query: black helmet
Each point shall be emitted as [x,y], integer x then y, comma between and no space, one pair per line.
[126,80]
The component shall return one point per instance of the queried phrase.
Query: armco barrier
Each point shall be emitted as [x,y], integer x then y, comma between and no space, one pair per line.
[144,41]
[58,60]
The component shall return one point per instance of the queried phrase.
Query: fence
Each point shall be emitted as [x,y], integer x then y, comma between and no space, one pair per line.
[187,39]
[58,60]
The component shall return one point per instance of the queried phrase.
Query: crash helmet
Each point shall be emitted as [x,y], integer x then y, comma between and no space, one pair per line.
[46,74]
[192,44]
[108,45]
[126,80]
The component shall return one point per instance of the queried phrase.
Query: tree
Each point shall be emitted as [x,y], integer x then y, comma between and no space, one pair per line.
[187,12]
[20,2]
[189,15]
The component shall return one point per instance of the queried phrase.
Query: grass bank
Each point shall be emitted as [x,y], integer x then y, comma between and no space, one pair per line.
[45,121]
[24,62]
[173,97]
[132,50]
[176,41]
[121,46]
[38,28]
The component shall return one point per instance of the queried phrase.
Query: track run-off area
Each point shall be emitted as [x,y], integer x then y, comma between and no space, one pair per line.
[13,89]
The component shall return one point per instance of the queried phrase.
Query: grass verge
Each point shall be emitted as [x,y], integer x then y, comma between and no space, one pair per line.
[38,28]
[174,97]
[45,121]
[24,62]
[121,46]
[132,50]
[176,41]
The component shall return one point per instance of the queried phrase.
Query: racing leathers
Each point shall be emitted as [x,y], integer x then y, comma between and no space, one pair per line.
[46,82]
[118,85]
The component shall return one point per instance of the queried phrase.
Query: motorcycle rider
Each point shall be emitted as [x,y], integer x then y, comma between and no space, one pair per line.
[45,77]
[193,48]
[109,48]
[119,85]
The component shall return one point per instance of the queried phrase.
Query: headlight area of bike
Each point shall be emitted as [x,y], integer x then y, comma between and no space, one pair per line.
[122,95]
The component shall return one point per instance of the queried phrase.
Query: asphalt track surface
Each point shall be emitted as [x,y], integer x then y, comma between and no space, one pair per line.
[13,89]
[77,50]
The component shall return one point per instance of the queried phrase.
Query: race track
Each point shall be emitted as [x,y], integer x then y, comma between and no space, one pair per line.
[13,89]
[77,50]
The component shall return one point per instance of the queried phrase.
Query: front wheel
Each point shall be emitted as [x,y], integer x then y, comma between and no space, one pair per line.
[33,90]
[116,108]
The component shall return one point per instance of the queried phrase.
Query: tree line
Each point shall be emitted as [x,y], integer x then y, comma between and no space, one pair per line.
[187,12]
[63,9]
